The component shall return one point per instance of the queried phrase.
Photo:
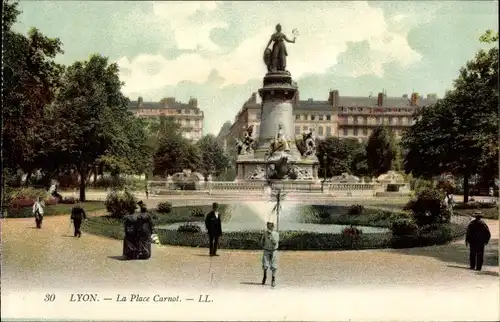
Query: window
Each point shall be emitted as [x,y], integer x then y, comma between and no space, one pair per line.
[306,117]
[355,121]
[328,130]
[320,131]
[304,128]
[391,120]
[355,131]
[297,116]
[345,132]
[328,117]
[313,117]
[360,109]
[365,120]
[365,131]
[179,111]
[320,117]
[379,120]
[400,120]
[297,130]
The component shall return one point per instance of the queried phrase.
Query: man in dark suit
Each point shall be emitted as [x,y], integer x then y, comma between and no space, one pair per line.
[478,236]
[214,228]
[77,215]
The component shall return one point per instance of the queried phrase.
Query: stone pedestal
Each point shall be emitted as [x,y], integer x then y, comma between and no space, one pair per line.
[277,96]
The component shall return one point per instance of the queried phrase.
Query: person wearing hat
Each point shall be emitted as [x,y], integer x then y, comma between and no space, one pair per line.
[477,237]
[270,243]
[77,215]
[146,227]
[214,228]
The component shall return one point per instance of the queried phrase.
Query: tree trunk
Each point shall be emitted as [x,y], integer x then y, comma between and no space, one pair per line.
[466,187]
[28,178]
[83,179]
[95,175]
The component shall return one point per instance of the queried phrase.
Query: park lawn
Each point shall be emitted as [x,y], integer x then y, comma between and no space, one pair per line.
[488,213]
[57,210]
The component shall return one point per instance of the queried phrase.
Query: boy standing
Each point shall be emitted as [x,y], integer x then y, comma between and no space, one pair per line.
[270,242]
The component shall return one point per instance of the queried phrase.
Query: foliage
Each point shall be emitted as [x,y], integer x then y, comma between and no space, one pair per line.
[68,200]
[164,207]
[120,204]
[428,235]
[403,226]
[446,186]
[339,157]
[380,152]
[355,209]
[213,158]
[24,193]
[30,79]
[189,228]
[352,232]
[459,134]
[197,212]
[427,207]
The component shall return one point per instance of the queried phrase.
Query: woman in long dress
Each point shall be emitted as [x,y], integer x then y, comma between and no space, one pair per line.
[278,52]
[146,227]
[131,240]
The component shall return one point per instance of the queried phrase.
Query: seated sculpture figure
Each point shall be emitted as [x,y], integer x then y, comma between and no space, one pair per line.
[246,146]
[280,142]
[309,142]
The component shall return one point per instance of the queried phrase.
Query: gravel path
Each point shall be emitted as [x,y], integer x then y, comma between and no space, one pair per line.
[50,258]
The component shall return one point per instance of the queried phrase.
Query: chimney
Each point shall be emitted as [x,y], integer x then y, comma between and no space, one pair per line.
[296,98]
[193,102]
[380,99]
[414,97]
[334,98]
[139,100]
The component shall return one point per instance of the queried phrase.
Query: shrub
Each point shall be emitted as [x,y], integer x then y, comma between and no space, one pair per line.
[446,186]
[392,187]
[426,206]
[24,193]
[352,232]
[51,201]
[197,212]
[120,204]
[22,202]
[189,228]
[418,185]
[403,227]
[475,205]
[355,209]
[164,207]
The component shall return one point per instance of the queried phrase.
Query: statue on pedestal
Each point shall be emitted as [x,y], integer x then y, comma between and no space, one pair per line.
[280,142]
[309,142]
[246,146]
[275,58]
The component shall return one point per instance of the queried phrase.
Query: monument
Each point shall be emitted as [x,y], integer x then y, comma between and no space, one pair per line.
[275,154]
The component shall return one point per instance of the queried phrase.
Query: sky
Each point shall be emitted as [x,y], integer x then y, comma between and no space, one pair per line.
[213,50]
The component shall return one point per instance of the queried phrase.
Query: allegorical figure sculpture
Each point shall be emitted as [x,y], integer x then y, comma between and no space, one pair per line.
[275,57]
[280,142]
[246,146]
[309,142]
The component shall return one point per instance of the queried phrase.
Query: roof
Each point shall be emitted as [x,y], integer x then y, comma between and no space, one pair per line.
[166,103]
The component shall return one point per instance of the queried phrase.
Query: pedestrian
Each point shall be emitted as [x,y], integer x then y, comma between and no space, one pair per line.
[478,236]
[491,192]
[449,202]
[38,212]
[146,227]
[270,243]
[214,228]
[77,215]
[131,239]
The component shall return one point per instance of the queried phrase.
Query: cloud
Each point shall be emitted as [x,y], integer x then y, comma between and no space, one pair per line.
[326,30]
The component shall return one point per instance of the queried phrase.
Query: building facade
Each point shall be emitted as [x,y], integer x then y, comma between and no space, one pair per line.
[339,116]
[189,116]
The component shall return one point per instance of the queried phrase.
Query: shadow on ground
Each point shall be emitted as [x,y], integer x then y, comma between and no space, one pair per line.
[455,253]
[118,258]
[251,283]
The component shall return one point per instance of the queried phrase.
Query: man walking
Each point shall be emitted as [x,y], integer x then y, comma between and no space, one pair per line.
[77,215]
[270,243]
[449,202]
[478,236]
[214,228]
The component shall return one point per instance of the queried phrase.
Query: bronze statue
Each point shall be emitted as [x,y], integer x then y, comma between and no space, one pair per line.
[275,58]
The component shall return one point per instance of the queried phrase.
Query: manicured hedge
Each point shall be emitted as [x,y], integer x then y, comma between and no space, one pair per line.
[488,210]
[54,210]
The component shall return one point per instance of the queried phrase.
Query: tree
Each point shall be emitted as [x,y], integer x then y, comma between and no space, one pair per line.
[92,122]
[459,134]
[358,163]
[379,152]
[30,81]
[175,154]
[213,159]
[338,156]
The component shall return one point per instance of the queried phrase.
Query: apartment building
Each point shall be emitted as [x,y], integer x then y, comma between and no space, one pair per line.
[189,116]
[340,116]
